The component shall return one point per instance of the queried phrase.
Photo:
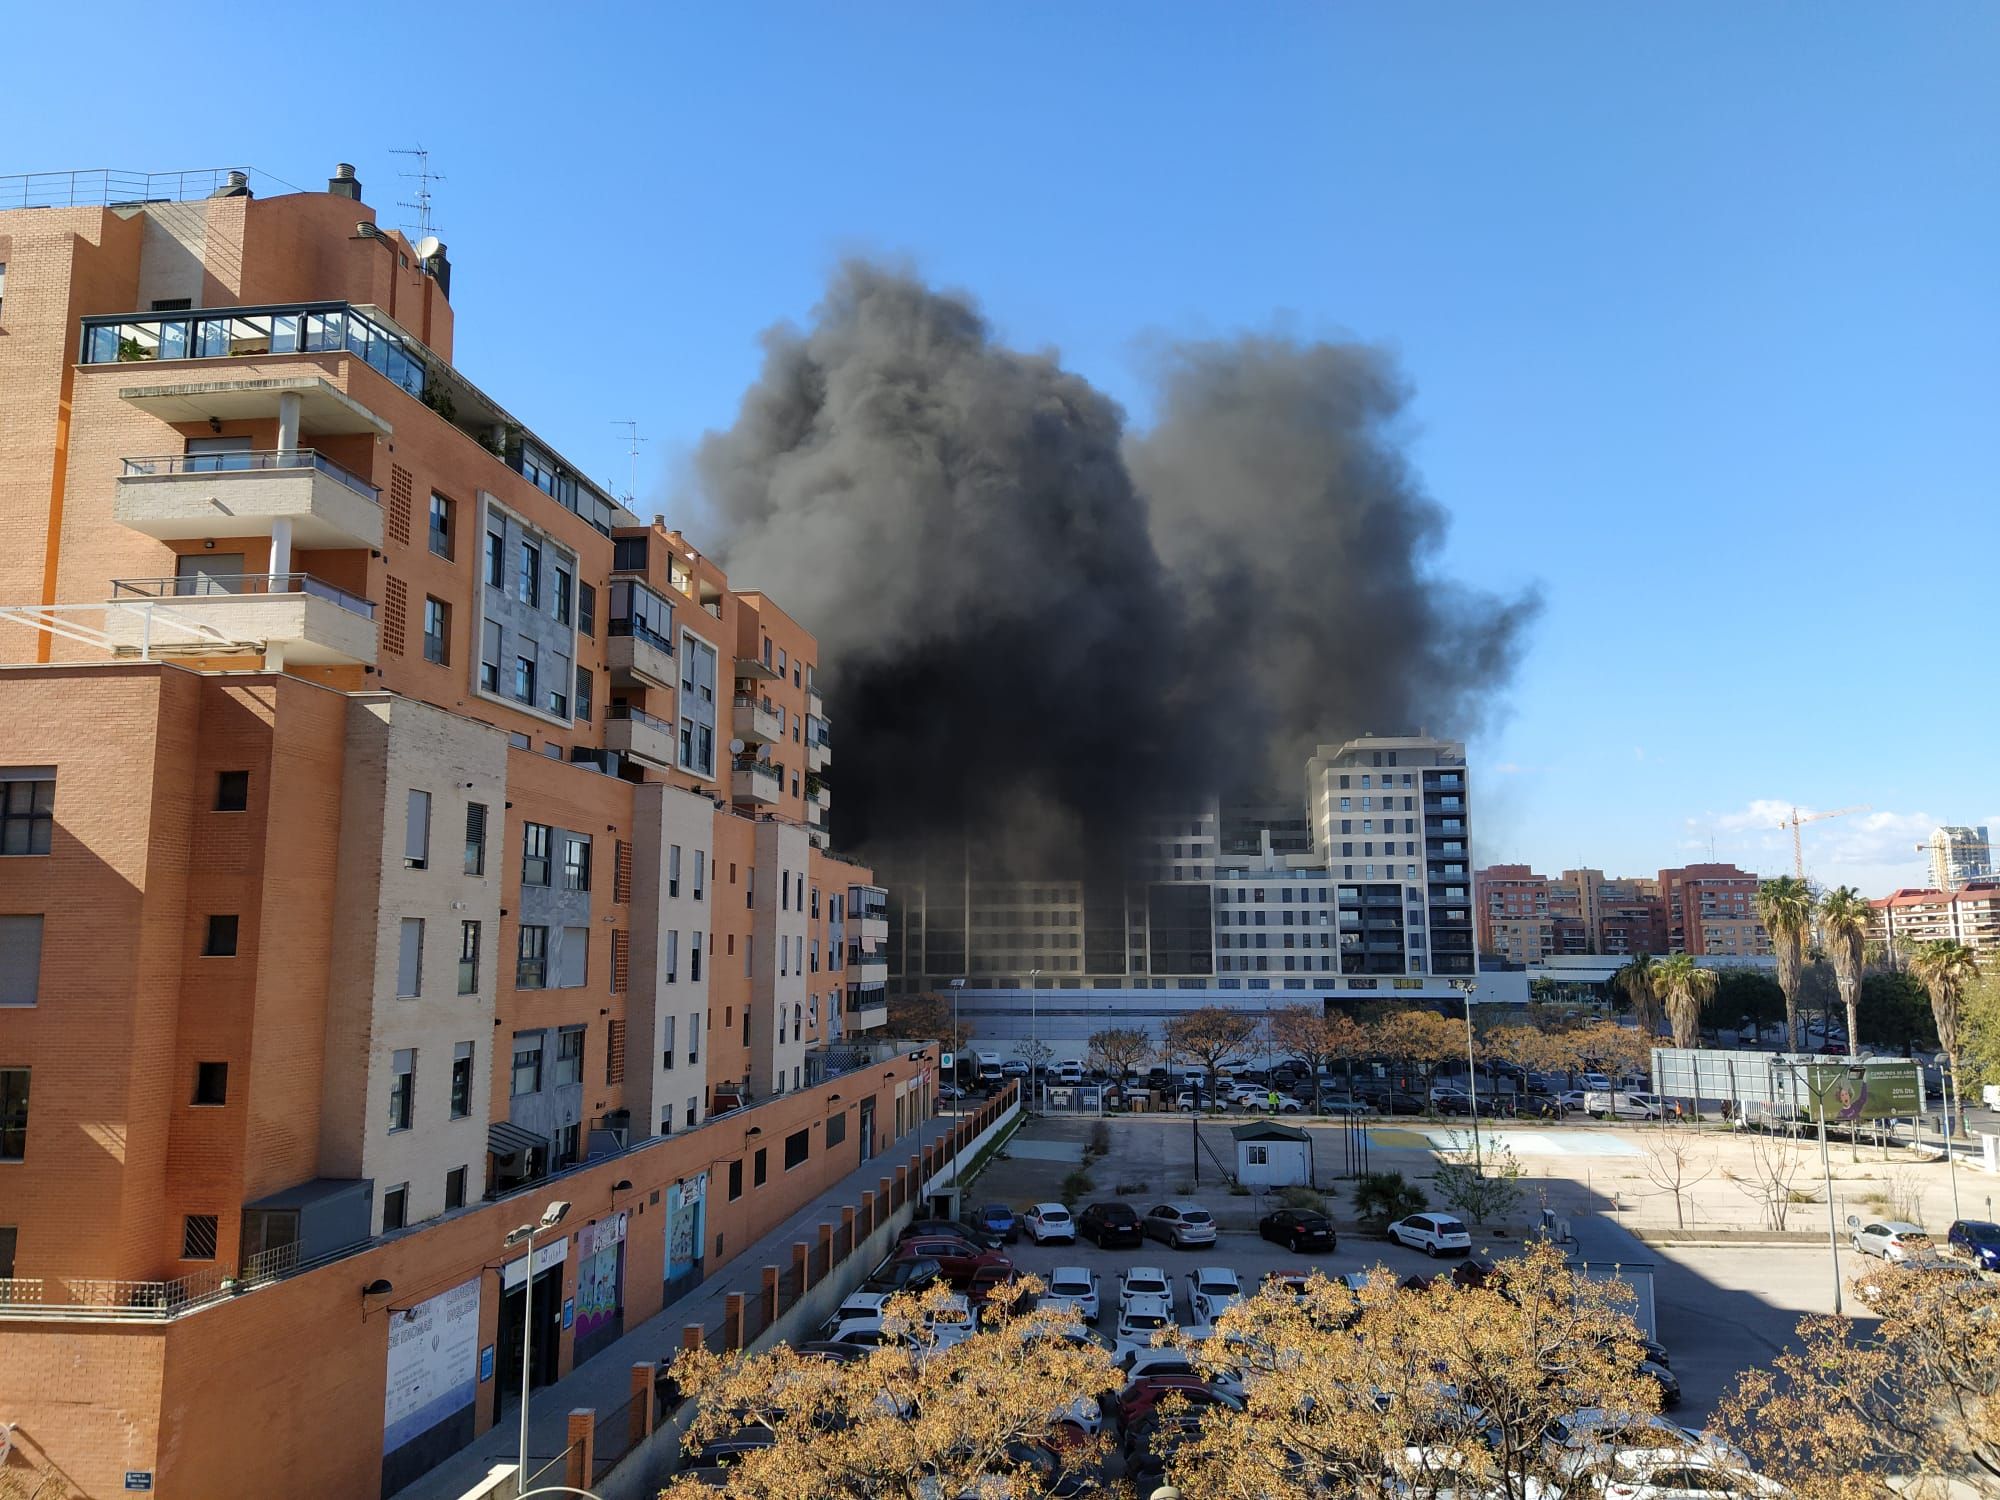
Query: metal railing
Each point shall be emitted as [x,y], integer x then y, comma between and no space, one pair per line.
[625,713]
[226,585]
[756,767]
[639,630]
[251,461]
[112,1297]
[247,332]
[104,187]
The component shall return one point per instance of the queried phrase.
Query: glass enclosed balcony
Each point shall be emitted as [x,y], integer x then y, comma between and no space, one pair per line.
[246,332]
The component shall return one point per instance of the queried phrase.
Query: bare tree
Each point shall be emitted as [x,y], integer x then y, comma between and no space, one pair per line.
[1208,1038]
[1771,1181]
[1675,1163]
[1119,1052]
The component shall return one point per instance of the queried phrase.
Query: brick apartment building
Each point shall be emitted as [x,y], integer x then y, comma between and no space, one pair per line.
[1969,914]
[372,846]
[1712,909]
[1524,917]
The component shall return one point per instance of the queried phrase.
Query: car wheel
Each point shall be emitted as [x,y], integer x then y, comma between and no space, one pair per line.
[1292,1244]
[1431,1251]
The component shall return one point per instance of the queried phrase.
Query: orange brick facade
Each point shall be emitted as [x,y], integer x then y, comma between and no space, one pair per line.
[215,1022]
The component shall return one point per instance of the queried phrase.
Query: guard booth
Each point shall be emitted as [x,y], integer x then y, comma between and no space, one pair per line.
[1272,1155]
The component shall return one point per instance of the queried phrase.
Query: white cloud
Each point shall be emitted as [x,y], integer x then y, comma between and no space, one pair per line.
[1874,851]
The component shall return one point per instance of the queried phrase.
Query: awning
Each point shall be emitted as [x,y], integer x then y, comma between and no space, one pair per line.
[323,407]
[506,1139]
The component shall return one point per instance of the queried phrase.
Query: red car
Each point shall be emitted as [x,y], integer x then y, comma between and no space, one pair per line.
[1137,1400]
[958,1258]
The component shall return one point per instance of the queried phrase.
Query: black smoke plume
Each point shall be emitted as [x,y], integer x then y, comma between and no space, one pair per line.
[1037,627]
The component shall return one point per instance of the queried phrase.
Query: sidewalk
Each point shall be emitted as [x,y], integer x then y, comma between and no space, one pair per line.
[604,1382]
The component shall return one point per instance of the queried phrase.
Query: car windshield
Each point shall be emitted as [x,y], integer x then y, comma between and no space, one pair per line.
[1450,1226]
[1055,1216]
[1145,1285]
[1145,1320]
[1218,1284]
[1065,1287]
[1983,1234]
[1194,1216]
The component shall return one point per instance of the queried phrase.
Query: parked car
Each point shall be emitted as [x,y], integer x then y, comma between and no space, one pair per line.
[1077,1287]
[1977,1240]
[1211,1292]
[1297,1229]
[1143,1281]
[950,1093]
[1140,1319]
[1013,1067]
[1049,1223]
[1892,1239]
[1434,1234]
[999,1220]
[1395,1102]
[1334,1104]
[1109,1224]
[1181,1224]
[1669,1384]
[903,1275]
[956,1258]
[951,1227]
[1184,1101]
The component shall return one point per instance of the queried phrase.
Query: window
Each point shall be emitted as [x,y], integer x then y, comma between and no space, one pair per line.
[700,871]
[410,959]
[559,602]
[667,1041]
[784,890]
[198,1237]
[569,1056]
[417,831]
[735,1180]
[211,1083]
[3,282]
[531,968]
[461,1080]
[576,863]
[673,869]
[20,960]
[560,677]
[27,809]
[402,1088]
[9,1235]
[573,959]
[221,940]
[468,958]
[534,854]
[475,838]
[490,652]
[836,1129]
[693,1108]
[437,631]
[496,559]
[530,586]
[586,609]
[585,687]
[760,1167]
[671,967]
[694,1037]
[395,1207]
[527,1077]
[797,1145]
[13,1114]
[441,510]
[232,791]
[454,1188]
[524,673]
[694,956]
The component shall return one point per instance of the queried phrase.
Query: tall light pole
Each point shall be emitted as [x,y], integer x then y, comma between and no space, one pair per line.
[1034,1025]
[1465,987]
[957,1105]
[1826,1177]
[553,1215]
[1952,1102]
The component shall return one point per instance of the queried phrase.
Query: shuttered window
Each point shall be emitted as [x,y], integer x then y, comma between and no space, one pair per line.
[20,960]
[621,875]
[410,959]
[614,1052]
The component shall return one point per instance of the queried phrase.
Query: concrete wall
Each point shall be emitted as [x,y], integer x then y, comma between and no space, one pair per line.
[778,948]
[658,1085]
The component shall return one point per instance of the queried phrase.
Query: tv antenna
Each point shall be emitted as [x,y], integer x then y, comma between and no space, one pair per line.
[423,177]
[633,440]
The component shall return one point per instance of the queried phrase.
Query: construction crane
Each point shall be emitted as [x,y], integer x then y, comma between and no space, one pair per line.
[1798,820]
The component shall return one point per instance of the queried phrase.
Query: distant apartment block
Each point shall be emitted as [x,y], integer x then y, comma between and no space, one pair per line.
[1958,855]
[1526,917]
[1969,913]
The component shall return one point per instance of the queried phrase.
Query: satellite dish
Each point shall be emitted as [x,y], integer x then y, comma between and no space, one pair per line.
[428,246]
[736,747]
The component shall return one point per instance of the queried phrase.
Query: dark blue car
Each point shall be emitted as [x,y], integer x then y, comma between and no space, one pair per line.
[998,1219]
[1978,1241]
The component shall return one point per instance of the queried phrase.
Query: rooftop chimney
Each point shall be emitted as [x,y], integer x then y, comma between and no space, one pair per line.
[237,185]
[343,183]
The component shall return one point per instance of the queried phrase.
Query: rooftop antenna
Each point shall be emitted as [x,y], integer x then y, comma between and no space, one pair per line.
[633,440]
[423,177]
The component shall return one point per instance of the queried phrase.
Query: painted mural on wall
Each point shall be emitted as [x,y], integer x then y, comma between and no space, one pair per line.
[686,1222]
[599,1274]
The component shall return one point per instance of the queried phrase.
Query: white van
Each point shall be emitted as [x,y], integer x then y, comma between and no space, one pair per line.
[1619,1105]
[1069,1072]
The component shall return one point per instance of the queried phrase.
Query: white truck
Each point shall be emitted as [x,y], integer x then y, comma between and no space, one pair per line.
[1617,1104]
[989,1067]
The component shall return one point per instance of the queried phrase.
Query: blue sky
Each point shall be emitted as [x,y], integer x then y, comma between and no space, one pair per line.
[1697,301]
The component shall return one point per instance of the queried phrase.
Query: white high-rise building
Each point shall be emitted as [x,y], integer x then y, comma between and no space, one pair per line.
[1958,855]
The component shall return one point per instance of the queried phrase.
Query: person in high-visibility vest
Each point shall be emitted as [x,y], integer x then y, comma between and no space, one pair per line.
[1274,1101]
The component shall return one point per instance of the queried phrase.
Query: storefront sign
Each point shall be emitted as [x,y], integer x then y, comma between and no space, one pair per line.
[545,1256]
[432,1348]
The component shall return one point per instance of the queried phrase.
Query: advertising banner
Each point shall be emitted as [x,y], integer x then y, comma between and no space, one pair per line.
[1843,1094]
[433,1363]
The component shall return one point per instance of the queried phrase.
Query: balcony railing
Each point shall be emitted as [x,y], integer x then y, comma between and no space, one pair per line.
[224,585]
[626,713]
[236,463]
[246,332]
[639,630]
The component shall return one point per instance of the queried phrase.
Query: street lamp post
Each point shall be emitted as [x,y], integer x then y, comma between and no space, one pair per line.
[1953,1101]
[1826,1177]
[553,1215]
[1465,987]
[957,1105]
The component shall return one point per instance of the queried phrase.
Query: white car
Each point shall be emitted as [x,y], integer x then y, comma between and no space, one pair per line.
[1142,1360]
[1049,1222]
[1211,1292]
[1179,1223]
[951,1324]
[1434,1234]
[1892,1239]
[1143,1281]
[1140,1319]
[1076,1287]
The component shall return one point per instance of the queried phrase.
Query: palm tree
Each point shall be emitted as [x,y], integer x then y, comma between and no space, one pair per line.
[1944,967]
[1684,985]
[1785,906]
[1843,927]
[1636,982]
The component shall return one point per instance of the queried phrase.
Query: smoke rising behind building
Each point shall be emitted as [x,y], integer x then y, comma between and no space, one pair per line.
[1042,625]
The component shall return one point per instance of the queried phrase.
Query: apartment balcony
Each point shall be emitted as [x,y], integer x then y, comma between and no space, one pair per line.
[818,793]
[181,497]
[814,704]
[752,669]
[755,781]
[294,617]
[641,660]
[634,732]
[866,965]
[755,722]
[867,1007]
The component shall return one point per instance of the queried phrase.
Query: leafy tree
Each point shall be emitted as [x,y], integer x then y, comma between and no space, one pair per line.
[1607,1045]
[1683,985]
[1119,1052]
[1945,967]
[1380,1198]
[1895,1012]
[1482,1185]
[1905,1407]
[1979,1031]
[1636,981]
[1785,906]
[1743,995]
[1315,1038]
[928,1017]
[1421,1038]
[1460,1388]
[1207,1038]
[1843,926]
